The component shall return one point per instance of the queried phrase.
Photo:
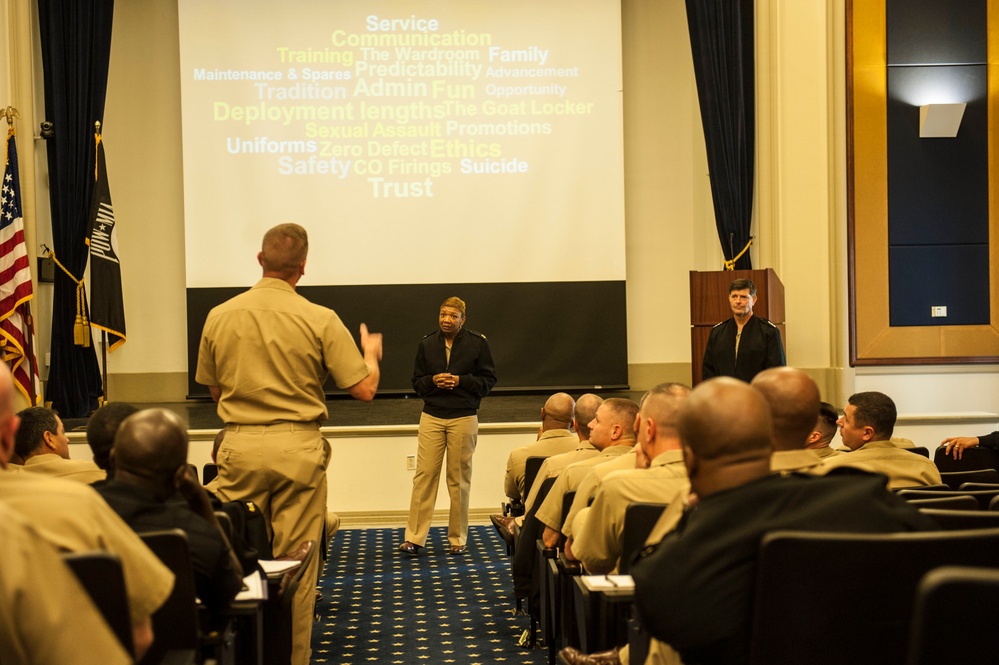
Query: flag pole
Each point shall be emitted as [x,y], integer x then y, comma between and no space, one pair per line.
[104,363]
[32,363]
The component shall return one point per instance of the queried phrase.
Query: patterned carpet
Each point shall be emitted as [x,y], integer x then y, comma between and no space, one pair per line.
[381,606]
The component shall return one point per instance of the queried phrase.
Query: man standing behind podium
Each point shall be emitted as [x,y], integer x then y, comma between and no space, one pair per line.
[264,356]
[744,345]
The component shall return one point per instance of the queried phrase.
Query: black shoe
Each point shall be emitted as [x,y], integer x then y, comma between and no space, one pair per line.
[412,549]
[457,549]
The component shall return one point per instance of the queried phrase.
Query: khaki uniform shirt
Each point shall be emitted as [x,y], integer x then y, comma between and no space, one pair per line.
[549,512]
[826,451]
[587,481]
[50,464]
[45,615]
[551,442]
[554,465]
[599,530]
[269,351]
[904,469]
[75,518]
[791,461]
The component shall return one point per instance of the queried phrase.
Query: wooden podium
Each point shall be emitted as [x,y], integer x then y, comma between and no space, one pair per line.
[709,306]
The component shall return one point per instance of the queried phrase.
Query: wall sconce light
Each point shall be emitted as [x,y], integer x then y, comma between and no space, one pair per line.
[940,121]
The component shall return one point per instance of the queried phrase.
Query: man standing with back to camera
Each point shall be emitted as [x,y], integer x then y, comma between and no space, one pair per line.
[453,371]
[264,356]
[744,345]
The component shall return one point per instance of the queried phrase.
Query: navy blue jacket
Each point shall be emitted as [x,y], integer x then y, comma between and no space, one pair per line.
[471,361]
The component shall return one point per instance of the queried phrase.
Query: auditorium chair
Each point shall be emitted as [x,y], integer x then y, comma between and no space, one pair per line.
[526,581]
[970,487]
[101,576]
[971,459]
[952,520]
[515,507]
[959,502]
[858,613]
[949,624]
[603,625]
[639,520]
[983,496]
[175,623]
[550,577]
[954,479]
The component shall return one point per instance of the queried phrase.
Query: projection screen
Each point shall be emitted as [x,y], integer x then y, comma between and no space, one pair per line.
[430,149]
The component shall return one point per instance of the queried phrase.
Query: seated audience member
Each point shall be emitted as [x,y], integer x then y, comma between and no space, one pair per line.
[866,427]
[554,437]
[45,615]
[73,518]
[613,427]
[825,430]
[793,399]
[583,414]
[612,433]
[588,406]
[101,428]
[599,529]
[585,479]
[42,443]
[150,461]
[954,445]
[694,591]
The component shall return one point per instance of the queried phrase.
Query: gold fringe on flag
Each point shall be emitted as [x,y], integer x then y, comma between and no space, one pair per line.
[81,326]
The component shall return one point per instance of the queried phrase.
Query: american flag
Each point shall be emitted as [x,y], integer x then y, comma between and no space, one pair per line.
[15,282]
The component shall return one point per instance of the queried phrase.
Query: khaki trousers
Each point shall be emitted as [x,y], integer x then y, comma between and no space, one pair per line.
[455,437]
[282,469]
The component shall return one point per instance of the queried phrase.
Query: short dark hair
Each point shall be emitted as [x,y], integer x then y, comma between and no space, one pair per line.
[826,424]
[102,427]
[740,284]
[876,410]
[35,422]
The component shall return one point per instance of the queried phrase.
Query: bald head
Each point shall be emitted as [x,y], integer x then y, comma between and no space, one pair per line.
[586,409]
[557,412]
[283,251]
[151,444]
[724,417]
[794,401]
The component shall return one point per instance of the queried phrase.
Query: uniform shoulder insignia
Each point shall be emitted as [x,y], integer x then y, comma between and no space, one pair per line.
[475,332]
[428,335]
[767,321]
[719,323]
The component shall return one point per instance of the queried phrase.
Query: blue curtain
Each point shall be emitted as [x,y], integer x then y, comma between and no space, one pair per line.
[76,48]
[721,39]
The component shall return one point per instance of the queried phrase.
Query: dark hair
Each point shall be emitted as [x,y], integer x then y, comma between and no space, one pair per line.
[826,425]
[35,422]
[740,284]
[102,427]
[876,410]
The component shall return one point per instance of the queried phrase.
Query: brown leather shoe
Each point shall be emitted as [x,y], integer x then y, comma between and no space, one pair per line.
[572,656]
[506,527]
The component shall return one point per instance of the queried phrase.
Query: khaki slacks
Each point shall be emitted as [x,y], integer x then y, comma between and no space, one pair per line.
[455,437]
[282,469]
